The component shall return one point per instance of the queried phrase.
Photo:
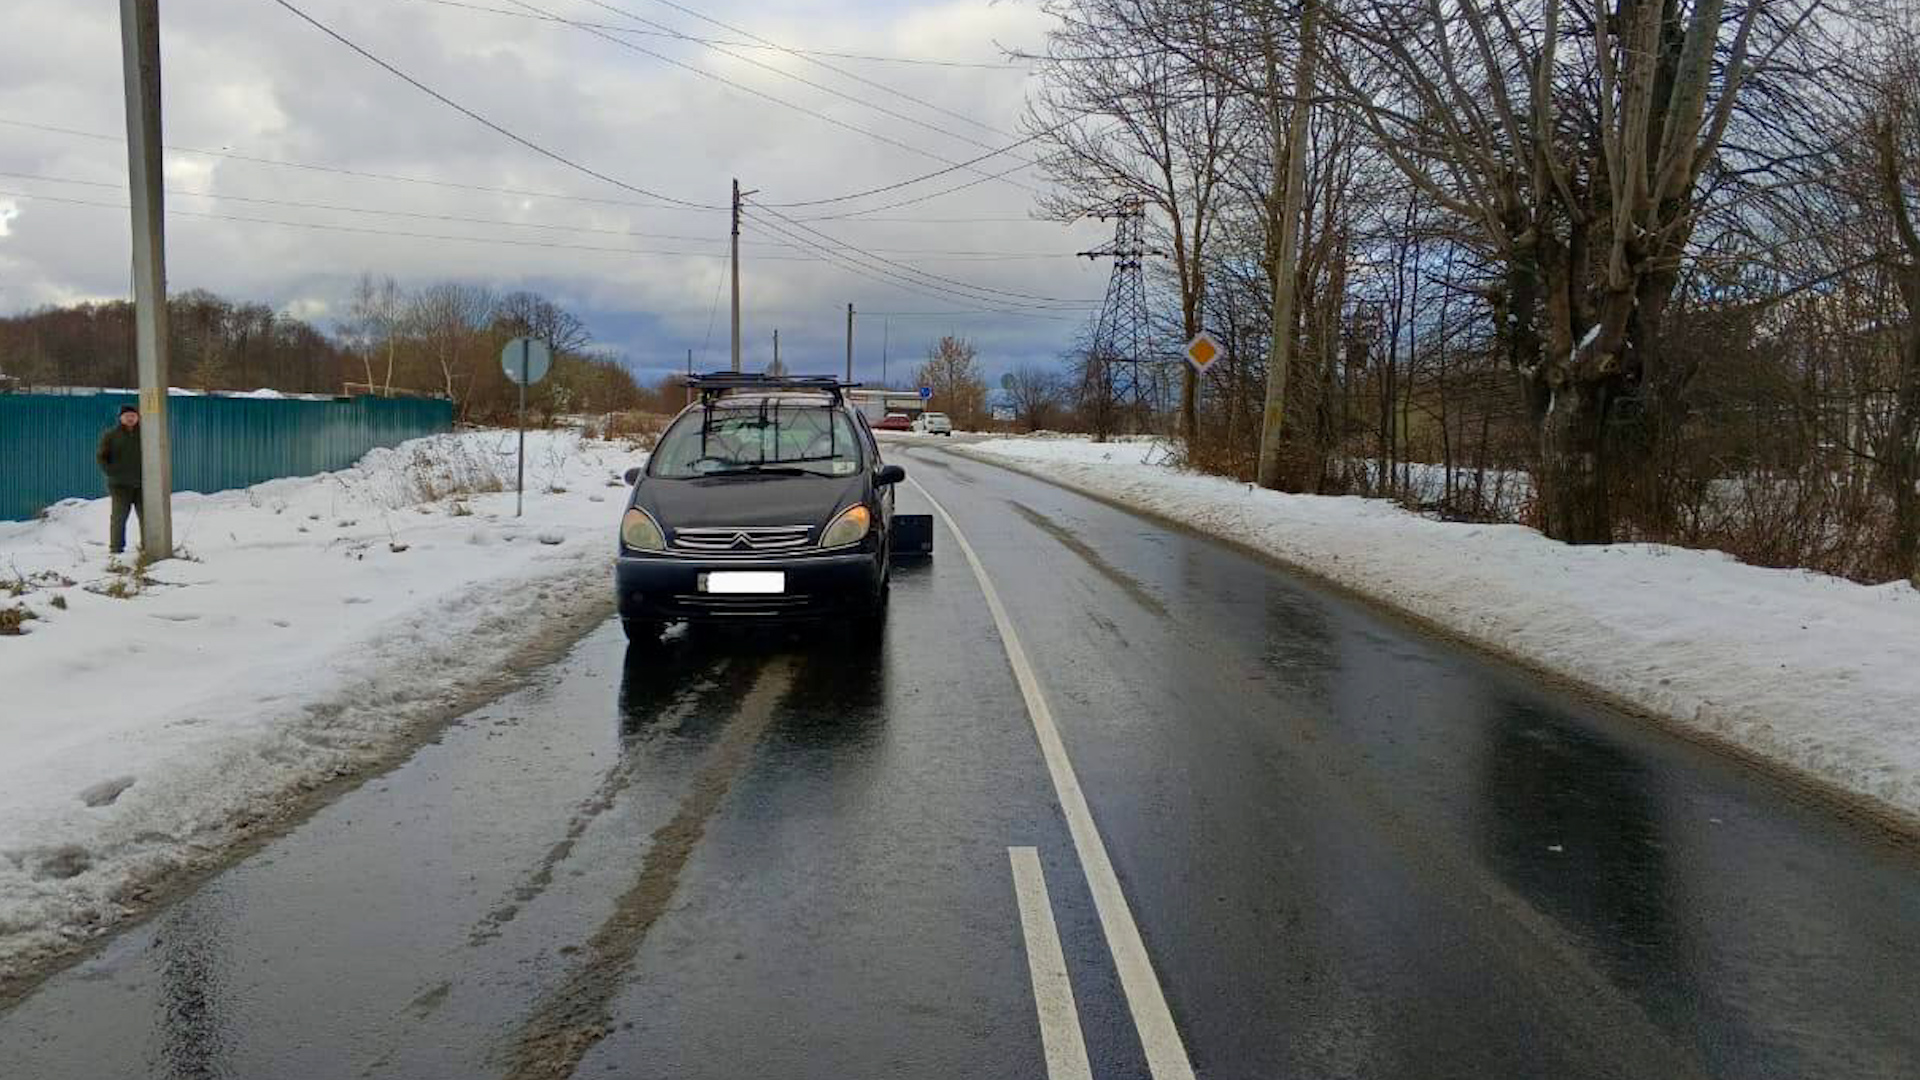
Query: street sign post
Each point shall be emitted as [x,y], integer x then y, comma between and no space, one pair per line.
[926,393]
[526,361]
[1203,350]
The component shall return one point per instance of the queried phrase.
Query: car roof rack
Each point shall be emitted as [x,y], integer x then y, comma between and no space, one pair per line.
[718,384]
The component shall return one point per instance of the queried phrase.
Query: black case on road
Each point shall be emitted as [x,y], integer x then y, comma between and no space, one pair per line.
[913,534]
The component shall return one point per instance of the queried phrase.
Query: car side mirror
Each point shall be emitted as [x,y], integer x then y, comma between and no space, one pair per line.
[633,476]
[889,475]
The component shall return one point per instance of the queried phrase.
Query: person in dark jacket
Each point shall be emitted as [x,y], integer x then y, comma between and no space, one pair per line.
[119,457]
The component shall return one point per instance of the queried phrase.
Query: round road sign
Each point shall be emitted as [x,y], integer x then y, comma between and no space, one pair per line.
[526,360]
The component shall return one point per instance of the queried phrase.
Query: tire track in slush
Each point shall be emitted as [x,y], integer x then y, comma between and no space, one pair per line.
[710,693]
[1135,589]
[577,1014]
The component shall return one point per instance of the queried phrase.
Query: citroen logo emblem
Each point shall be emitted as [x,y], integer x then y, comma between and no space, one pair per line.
[742,540]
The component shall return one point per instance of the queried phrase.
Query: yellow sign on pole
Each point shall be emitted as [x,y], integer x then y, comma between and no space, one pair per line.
[1203,350]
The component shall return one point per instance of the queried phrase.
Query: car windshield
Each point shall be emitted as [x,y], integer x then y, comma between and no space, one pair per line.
[767,435]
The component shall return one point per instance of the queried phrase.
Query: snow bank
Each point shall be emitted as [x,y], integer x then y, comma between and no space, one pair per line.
[319,623]
[1812,672]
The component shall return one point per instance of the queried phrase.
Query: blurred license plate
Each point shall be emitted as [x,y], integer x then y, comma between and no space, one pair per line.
[749,582]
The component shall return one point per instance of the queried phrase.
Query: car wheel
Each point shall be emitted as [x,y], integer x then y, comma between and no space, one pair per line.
[644,633]
[872,622]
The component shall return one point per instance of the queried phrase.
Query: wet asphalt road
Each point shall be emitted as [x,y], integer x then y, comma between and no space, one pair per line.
[1351,851]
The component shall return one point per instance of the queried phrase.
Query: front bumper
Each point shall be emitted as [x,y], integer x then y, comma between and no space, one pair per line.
[667,589]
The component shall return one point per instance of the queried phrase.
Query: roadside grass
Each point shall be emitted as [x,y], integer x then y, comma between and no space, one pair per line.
[13,620]
[638,430]
[125,580]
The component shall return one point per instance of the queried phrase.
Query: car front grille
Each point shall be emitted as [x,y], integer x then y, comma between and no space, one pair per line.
[758,540]
[697,604]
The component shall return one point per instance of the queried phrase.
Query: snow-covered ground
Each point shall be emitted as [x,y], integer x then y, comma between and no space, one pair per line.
[1812,672]
[318,624]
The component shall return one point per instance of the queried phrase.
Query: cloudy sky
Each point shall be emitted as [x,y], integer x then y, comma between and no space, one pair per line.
[402,178]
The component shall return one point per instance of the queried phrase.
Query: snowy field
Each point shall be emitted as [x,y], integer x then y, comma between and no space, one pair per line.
[1810,671]
[317,625]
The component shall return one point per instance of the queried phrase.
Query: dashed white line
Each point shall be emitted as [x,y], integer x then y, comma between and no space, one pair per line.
[1060,1036]
[1165,1052]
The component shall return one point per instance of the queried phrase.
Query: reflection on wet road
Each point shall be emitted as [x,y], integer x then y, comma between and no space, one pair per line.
[1351,851]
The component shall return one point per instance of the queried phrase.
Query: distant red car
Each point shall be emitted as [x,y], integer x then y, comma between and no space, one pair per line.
[895,421]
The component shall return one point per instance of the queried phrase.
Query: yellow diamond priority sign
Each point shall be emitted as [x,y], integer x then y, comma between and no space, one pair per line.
[1203,350]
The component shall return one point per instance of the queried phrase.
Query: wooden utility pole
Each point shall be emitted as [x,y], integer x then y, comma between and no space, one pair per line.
[140,57]
[1291,194]
[849,343]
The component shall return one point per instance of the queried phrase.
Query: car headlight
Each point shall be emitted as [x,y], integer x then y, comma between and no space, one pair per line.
[851,527]
[639,532]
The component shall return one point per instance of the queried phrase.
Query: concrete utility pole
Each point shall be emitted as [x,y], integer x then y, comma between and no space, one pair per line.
[849,342]
[689,376]
[776,353]
[736,275]
[140,57]
[1287,259]
[886,343]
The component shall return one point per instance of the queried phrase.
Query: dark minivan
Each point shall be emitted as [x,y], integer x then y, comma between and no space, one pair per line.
[766,500]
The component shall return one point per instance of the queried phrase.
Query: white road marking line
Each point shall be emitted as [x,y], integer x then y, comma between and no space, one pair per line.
[1059,1021]
[1166,1054]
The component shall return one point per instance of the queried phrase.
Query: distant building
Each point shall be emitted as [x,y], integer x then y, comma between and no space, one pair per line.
[878,403]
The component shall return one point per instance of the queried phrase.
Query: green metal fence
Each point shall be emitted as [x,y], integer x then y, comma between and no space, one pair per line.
[47,441]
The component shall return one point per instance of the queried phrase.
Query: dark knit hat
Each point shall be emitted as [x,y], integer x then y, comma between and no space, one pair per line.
[125,409]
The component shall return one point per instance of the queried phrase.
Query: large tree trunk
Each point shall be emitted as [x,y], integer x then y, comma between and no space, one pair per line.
[1290,178]
[1903,451]
[1573,463]
[1189,408]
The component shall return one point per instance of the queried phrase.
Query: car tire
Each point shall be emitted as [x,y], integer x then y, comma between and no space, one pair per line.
[871,623]
[643,633]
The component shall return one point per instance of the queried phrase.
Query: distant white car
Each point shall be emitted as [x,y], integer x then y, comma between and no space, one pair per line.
[933,423]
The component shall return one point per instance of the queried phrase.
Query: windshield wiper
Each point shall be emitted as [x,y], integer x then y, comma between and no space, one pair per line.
[770,470]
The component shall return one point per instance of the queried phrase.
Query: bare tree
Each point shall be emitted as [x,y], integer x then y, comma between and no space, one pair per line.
[1035,393]
[449,320]
[1569,140]
[374,326]
[1893,132]
[532,315]
[1122,112]
[957,386]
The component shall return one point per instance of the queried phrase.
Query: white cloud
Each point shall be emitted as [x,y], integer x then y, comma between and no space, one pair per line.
[253,80]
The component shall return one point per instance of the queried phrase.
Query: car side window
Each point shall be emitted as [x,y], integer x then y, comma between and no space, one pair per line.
[866,436]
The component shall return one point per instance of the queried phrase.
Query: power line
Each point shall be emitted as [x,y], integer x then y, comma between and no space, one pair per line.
[924,198]
[294,204]
[862,102]
[360,174]
[880,276]
[953,168]
[479,119]
[804,254]
[863,264]
[915,201]
[523,193]
[797,54]
[784,103]
[913,61]
[364,231]
[842,245]
[963,255]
